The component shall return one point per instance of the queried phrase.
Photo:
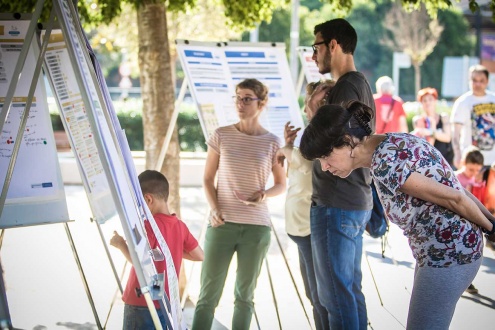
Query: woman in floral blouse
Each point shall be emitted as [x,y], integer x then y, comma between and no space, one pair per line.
[420,193]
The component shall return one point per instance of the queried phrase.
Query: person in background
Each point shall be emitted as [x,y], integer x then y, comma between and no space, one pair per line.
[179,240]
[390,115]
[436,126]
[471,166]
[473,117]
[420,193]
[469,177]
[419,126]
[241,157]
[297,207]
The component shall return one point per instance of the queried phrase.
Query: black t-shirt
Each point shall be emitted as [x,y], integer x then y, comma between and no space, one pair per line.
[353,192]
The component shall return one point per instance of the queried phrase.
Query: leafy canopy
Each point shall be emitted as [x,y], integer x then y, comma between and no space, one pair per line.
[240,14]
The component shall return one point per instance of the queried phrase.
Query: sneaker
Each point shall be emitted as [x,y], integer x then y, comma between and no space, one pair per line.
[472,289]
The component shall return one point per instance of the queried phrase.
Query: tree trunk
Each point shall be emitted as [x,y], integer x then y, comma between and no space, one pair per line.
[417,77]
[158,93]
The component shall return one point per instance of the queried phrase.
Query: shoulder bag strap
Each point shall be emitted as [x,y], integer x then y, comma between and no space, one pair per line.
[389,114]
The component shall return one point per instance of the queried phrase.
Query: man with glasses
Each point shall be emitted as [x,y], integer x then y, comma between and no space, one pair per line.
[340,207]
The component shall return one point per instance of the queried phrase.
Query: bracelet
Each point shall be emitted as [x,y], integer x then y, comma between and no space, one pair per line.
[489,232]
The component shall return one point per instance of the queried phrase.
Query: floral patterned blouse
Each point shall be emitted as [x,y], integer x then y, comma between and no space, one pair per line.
[437,236]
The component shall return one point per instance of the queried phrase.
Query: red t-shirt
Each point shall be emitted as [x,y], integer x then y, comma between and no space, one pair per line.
[178,238]
[387,119]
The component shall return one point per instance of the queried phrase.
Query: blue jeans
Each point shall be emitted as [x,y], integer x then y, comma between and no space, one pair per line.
[337,242]
[139,318]
[309,280]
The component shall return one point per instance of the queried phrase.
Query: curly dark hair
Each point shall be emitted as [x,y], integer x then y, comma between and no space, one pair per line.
[335,126]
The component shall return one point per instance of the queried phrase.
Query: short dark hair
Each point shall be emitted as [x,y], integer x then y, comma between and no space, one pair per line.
[335,126]
[155,183]
[479,69]
[340,30]
[473,155]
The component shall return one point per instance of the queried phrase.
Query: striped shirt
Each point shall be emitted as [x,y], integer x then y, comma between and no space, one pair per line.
[245,164]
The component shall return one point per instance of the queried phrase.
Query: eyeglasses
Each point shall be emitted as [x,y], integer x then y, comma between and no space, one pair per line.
[315,50]
[244,100]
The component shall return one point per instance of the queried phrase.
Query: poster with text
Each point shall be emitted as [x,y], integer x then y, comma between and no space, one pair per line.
[36,192]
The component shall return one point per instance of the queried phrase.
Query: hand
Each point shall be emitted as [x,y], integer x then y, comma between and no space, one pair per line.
[216,218]
[290,133]
[256,198]
[318,98]
[117,240]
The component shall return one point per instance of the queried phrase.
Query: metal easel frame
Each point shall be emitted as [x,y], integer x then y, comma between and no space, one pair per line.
[6,109]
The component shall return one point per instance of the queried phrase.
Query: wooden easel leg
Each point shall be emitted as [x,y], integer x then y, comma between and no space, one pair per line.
[83,277]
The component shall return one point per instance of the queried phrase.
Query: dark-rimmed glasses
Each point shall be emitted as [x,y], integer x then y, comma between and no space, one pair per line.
[315,50]
[244,100]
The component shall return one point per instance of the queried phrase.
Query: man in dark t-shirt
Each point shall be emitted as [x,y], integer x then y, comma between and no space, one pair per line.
[341,207]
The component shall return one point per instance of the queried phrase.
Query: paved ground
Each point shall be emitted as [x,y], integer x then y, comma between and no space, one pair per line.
[45,291]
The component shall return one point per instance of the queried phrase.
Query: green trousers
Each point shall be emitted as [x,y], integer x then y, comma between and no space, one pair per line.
[251,243]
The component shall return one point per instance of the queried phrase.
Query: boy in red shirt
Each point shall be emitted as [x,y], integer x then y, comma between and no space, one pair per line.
[181,243]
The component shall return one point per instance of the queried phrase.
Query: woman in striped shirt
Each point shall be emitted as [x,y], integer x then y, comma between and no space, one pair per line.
[241,157]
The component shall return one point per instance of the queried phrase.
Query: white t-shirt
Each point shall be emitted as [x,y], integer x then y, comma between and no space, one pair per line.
[477,116]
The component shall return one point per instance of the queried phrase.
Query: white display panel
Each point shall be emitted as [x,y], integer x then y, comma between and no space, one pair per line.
[36,191]
[214,69]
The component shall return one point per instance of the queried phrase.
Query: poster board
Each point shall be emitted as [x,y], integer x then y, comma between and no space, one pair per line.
[79,130]
[36,192]
[91,99]
[213,70]
[308,65]
[455,77]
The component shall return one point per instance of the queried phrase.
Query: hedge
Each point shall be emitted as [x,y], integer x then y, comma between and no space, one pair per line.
[191,136]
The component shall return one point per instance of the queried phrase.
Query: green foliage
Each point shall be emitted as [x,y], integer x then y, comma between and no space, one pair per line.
[311,4]
[191,136]
[375,59]
[247,13]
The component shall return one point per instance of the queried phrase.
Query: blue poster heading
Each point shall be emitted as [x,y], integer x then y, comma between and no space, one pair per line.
[198,53]
[245,54]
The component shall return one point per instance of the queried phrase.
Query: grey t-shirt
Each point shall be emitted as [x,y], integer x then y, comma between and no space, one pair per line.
[353,192]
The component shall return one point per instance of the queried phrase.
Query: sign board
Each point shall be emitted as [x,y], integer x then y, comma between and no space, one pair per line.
[76,122]
[455,78]
[36,192]
[214,69]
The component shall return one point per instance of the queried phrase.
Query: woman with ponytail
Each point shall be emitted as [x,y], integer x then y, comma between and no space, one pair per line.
[420,193]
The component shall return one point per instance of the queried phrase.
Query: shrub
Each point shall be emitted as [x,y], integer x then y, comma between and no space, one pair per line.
[191,136]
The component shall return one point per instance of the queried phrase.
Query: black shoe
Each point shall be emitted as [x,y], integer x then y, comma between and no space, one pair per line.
[472,289]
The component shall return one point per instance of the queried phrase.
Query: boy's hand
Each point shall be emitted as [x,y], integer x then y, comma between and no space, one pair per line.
[216,218]
[117,240]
